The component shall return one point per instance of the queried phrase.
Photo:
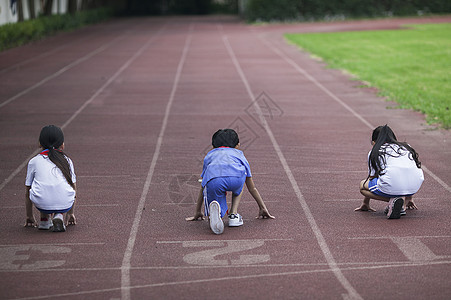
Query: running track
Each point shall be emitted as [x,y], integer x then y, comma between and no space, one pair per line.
[139,99]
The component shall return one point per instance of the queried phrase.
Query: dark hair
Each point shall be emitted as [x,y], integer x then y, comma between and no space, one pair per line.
[384,135]
[52,138]
[225,138]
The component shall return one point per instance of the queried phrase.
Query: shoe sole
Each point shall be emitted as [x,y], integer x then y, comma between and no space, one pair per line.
[235,224]
[42,227]
[45,228]
[216,224]
[58,225]
[394,209]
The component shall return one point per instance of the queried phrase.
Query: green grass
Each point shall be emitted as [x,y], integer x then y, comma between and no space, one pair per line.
[410,66]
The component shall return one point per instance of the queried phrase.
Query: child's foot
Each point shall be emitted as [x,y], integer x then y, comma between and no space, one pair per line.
[394,208]
[58,223]
[45,224]
[402,213]
[216,224]
[235,220]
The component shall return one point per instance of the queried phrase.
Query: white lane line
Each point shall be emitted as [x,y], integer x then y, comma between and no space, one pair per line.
[392,237]
[54,50]
[233,278]
[52,244]
[126,262]
[61,71]
[100,90]
[78,205]
[341,102]
[360,199]
[362,265]
[220,241]
[352,293]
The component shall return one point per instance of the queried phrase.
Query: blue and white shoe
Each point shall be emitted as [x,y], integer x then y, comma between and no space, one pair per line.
[216,223]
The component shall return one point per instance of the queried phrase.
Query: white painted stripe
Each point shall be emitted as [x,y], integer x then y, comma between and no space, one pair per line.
[392,237]
[201,241]
[341,102]
[315,228]
[59,72]
[436,178]
[102,88]
[233,278]
[362,265]
[126,262]
[78,205]
[52,244]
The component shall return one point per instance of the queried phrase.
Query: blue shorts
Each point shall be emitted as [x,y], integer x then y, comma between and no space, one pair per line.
[372,185]
[216,190]
[54,211]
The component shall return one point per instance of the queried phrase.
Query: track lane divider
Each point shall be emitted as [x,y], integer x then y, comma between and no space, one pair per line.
[87,102]
[126,262]
[333,266]
[341,102]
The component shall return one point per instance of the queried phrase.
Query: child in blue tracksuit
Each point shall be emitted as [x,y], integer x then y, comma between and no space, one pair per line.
[225,169]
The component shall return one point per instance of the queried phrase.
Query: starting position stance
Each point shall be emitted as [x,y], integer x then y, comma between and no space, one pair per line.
[50,183]
[394,172]
[225,170]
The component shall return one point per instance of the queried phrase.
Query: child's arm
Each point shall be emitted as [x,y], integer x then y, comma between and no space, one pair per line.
[198,213]
[30,221]
[263,213]
[70,215]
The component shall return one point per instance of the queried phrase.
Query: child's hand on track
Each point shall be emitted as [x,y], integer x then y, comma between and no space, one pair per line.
[411,205]
[70,219]
[198,216]
[264,214]
[364,207]
[30,222]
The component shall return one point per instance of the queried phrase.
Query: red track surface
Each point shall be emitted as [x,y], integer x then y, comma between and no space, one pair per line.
[139,100]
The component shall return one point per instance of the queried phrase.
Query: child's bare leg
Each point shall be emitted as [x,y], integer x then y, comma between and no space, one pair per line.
[45,216]
[365,191]
[236,202]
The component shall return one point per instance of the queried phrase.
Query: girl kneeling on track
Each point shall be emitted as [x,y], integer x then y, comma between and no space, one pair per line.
[394,172]
[225,169]
[50,183]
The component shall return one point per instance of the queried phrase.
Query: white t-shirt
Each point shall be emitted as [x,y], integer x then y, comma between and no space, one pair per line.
[49,189]
[401,174]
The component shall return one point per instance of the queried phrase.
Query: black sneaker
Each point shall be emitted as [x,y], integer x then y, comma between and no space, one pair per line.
[402,213]
[394,208]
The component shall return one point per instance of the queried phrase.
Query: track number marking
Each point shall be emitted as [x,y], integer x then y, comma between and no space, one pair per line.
[21,257]
[220,254]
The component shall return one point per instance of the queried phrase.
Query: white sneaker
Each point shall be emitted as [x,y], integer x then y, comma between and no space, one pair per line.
[58,223]
[216,224]
[235,220]
[45,224]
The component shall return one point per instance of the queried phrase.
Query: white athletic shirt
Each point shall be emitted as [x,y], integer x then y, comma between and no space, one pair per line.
[401,175]
[49,189]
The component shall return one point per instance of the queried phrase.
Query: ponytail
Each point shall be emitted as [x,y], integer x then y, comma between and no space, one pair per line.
[52,138]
